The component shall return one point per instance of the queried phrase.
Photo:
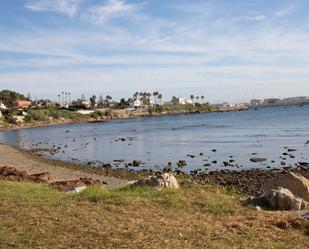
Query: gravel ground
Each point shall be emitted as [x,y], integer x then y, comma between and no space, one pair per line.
[21,161]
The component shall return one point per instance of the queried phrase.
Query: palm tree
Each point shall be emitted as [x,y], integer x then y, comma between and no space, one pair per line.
[108,98]
[202,97]
[174,100]
[192,98]
[148,96]
[155,94]
[69,97]
[197,99]
[59,97]
[160,98]
[135,95]
[62,97]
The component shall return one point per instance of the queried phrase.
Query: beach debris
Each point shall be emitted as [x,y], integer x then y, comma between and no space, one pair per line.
[258,159]
[165,180]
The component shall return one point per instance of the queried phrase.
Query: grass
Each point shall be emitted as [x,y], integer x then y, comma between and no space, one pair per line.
[36,216]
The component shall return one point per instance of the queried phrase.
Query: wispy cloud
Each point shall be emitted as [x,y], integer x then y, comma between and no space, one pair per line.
[111,9]
[285,12]
[68,7]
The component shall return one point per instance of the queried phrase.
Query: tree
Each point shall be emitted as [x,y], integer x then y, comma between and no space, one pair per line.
[155,94]
[101,100]
[160,98]
[123,104]
[135,95]
[108,98]
[8,97]
[93,102]
[197,99]
[192,98]
[202,98]
[29,97]
[174,100]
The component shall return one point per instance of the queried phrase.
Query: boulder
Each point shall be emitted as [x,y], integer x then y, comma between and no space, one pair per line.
[165,180]
[258,159]
[284,199]
[76,190]
[296,183]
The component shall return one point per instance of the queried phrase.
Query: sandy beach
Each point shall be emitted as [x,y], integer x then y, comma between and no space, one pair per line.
[22,161]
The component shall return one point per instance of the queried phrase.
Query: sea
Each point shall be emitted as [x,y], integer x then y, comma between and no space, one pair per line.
[206,142]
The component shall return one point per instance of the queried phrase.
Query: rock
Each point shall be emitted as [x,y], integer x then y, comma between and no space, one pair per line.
[292,150]
[258,159]
[181,163]
[282,224]
[76,190]
[136,163]
[42,177]
[296,183]
[165,180]
[284,199]
[303,164]
[258,208]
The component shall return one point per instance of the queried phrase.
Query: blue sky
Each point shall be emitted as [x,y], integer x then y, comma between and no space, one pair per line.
[222,49]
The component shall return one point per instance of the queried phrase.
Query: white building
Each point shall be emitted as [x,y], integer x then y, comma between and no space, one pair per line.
[184,101]
[136,103]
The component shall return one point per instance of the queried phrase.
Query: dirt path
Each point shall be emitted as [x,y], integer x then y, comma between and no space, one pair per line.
[12,157]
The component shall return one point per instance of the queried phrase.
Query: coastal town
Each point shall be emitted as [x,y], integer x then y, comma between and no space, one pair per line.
[18,109]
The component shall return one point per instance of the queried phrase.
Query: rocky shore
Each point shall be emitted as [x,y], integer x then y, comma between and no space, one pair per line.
[122,116]
[254,182]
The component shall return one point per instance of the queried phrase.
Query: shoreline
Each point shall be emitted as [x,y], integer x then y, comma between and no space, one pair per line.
[250,182]
[102,120]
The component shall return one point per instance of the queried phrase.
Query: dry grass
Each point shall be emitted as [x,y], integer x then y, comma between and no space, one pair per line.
[36,216]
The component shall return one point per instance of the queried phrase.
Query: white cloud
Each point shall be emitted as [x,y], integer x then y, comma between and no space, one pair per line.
[111,9]
[68,7]
[285,12]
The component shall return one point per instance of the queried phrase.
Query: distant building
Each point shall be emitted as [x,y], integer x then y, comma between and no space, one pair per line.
[44,103]
[80,104]
[136,103]
[184,101]
[255,102]
[272,101]
[22,103]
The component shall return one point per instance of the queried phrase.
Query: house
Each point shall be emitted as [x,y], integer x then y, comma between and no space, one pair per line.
[80,103]
[136,103]
[22,103]
[184,101]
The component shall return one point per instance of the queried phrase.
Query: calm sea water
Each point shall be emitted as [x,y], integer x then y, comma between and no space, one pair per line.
[157,141]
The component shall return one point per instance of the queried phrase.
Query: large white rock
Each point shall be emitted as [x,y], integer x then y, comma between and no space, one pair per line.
[296,183]
[165,180]
[76,190]
[284,199]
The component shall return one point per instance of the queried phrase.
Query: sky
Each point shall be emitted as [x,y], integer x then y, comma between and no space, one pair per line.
[225,50]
